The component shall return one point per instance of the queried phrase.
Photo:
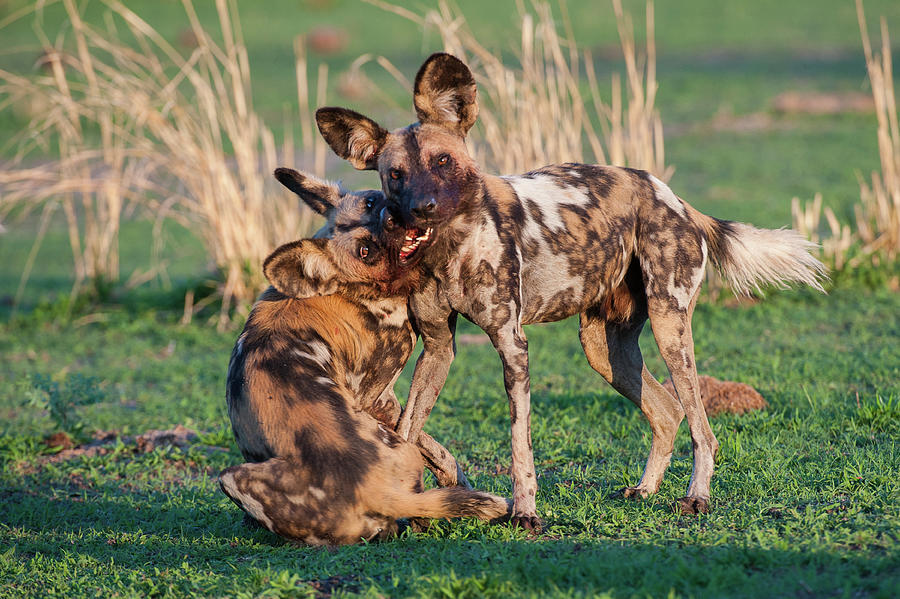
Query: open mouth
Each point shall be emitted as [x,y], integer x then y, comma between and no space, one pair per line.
[414,238]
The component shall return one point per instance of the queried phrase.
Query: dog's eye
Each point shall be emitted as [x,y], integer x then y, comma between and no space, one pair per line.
[443,160]
[395,174]
[363,251]
[369,203]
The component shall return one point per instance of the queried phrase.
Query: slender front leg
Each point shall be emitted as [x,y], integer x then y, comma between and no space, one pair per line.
[510,341]
[441,462]
[437,326]
[386,409]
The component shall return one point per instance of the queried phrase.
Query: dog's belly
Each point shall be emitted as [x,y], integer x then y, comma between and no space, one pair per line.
[554,289]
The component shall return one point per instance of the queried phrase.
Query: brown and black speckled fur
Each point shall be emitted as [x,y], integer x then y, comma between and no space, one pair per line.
[613,245]
[310,394]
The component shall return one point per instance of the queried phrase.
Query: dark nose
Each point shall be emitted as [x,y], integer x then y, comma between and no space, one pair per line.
[388,222]
[425,208]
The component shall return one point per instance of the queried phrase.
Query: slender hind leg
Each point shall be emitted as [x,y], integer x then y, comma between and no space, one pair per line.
[672,330]
[612,350]
[673,252]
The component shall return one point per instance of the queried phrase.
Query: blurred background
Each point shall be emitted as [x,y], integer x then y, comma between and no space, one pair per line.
[138,138]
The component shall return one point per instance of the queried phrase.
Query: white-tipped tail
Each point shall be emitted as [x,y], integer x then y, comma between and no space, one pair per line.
[749,257]
[448,502]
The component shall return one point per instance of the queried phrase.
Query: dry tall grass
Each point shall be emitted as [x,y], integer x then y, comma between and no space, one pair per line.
[534,112]
[807,221]
[877,216]
[178,134]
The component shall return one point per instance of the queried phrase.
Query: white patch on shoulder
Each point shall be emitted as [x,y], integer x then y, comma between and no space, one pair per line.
[667,197]
[318,353]
[548,194]
[683,294]
[324,380]
[317,493]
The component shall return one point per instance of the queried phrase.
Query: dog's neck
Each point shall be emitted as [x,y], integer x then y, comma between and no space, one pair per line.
[458,229]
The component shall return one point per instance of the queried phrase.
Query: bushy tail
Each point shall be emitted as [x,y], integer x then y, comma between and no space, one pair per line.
[449,502]
[748,257]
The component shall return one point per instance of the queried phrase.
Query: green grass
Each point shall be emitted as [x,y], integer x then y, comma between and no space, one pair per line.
[806,498]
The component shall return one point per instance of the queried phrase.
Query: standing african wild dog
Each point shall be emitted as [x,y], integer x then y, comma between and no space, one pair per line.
[614,245]
[310,389]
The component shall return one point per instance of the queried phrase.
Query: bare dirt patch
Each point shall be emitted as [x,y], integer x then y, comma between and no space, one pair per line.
[823,103]
[725,397]
[104,442]
[473,339]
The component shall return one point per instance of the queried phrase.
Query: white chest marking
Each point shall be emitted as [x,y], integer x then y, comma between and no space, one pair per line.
[318,353]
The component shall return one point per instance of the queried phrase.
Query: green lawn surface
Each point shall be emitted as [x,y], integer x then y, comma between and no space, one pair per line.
[806,498]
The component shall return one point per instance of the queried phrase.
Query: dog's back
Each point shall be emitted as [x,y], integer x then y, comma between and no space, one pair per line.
[296,356]
[322,469]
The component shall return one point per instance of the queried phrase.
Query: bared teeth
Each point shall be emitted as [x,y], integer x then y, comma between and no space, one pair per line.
[412,241]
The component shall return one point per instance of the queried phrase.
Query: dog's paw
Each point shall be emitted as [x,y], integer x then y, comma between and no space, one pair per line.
[631,493]
[420,524]
[692,505]
[530,523]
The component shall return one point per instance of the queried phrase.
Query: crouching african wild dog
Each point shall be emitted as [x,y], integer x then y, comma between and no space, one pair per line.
[310,389]
[614,245]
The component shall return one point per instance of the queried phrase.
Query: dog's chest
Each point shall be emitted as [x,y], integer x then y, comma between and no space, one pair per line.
[388,345]
[476,277]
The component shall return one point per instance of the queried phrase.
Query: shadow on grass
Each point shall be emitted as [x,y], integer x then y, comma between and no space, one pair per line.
[146,531]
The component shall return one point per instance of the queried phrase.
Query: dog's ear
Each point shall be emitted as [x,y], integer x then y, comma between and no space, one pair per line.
[445,93]
[319,195]
[352,136]
[302,269]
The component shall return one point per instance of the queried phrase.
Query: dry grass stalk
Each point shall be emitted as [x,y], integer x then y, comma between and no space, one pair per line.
[89,183]
[177,133]
[878,216]
[807,220]
[534,113]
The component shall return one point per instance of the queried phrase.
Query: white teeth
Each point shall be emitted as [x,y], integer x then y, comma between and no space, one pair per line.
[411,242]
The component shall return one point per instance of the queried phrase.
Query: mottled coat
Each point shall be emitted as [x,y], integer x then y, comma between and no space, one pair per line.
[614,245]
[310,390]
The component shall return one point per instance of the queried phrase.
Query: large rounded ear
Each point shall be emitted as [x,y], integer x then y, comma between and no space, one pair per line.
[445,93]
[352,136]
[319,195]
[302,269]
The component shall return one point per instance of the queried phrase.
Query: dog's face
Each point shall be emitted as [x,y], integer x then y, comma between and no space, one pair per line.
[350,253]
[426,172]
